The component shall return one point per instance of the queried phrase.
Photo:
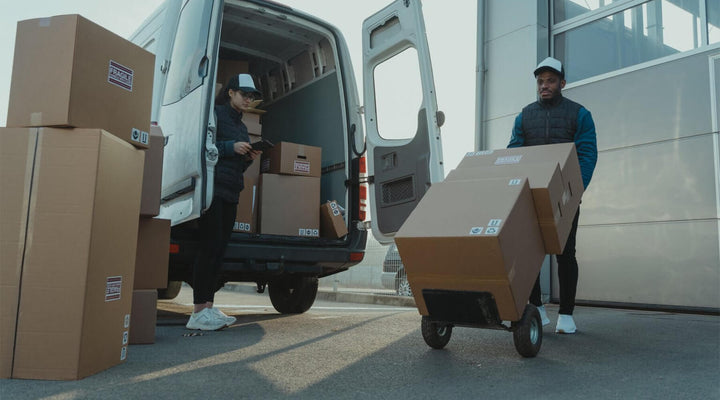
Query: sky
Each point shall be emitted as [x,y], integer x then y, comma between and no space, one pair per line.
[451,33]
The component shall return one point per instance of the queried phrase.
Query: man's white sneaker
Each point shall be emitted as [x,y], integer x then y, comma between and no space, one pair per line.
[565,324]
[228,319]
[543,315]
[205,320]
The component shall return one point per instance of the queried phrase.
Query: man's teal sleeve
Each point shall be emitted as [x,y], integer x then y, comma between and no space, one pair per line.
[518,136]
[586,145]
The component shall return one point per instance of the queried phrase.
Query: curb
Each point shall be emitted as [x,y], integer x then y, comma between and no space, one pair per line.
[341,296]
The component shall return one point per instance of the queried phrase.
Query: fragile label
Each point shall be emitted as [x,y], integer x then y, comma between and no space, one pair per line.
[308,232]
[113,288]
[492,230]
[126,322]
[125,338]
[495,222]
[123,353]
[476,230]
[242,226]
[335,212]
[120,75]
[301,167]
[508,159]
[514,182]
[140,136]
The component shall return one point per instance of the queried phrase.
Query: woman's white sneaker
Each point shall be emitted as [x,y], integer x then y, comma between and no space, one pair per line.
[565,324]
[228,319]
[543,315]
[205,320]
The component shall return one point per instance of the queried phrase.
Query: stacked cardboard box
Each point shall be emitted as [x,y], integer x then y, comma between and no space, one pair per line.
[487,228]
[71,197]
[332,223]
[290,190]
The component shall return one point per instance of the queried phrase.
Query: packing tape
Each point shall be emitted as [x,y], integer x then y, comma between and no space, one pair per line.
[44,22]
[36,118]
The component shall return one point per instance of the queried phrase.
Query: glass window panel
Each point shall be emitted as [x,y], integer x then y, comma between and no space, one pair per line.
[398,95]
[713,16]
[651,30]
[566,9]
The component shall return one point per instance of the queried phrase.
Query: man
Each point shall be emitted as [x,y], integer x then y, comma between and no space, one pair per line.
[556,119]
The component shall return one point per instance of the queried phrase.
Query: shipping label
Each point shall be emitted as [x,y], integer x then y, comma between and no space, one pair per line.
[140,136]
[113,288]
[120,75]
[301,167]
[508,159]
[476,230]
[478,153]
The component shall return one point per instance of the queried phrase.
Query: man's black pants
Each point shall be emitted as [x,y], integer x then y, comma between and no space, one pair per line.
[216,226]
[567,274]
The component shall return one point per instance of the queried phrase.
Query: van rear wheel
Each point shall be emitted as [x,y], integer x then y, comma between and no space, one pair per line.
[293,295]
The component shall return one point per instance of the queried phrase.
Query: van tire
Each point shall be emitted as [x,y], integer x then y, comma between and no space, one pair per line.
[435,335]
[171,292]
[294,295]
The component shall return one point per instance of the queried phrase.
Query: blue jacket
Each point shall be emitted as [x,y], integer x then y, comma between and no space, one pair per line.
[585,140]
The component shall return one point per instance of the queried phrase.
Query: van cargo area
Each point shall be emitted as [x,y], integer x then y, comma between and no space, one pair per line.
[292,59]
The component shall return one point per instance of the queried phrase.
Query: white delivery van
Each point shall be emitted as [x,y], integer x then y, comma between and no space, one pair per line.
[302,66]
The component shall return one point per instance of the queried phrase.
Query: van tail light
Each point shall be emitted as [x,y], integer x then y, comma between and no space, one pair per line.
[356,256]
[363,165]
[363,201]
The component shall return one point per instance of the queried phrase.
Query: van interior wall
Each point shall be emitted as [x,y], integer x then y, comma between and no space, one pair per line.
[313,115]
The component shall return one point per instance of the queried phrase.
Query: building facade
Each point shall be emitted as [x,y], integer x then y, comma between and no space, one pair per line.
[649,72]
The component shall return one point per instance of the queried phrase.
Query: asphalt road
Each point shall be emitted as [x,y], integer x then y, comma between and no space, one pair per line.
[369,351]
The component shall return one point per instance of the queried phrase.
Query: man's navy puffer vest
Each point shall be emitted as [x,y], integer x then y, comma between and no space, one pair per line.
[550,123]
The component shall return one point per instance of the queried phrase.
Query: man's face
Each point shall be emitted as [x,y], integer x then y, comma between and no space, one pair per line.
[549,85]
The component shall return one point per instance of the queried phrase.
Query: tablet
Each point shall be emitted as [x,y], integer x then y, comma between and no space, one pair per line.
[262,145]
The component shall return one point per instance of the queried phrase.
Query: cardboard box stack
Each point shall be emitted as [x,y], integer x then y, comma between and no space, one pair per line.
[488,226]
[290,190]
[71,197]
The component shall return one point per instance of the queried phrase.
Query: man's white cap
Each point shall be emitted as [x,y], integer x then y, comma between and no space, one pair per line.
[246,84]
[551,64]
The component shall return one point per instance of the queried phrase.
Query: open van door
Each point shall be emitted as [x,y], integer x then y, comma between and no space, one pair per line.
[186,115]
[404,150]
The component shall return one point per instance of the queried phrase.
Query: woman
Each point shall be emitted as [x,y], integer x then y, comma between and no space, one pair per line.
[216,223]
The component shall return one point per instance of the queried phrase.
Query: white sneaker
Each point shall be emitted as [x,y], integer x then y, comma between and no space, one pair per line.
[205,320]
[543,315]
[228,319]
[565,324]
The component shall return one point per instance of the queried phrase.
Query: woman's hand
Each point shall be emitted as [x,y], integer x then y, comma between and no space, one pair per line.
[242,148]
[253,154]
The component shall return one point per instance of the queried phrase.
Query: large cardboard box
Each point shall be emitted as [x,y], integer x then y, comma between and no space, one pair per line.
[79,243]
[332,223]
[152,174]
[252,122]
[474,236]
[292,159]
[143,317]
[547,189]
[534,159]
[153,254]
[70,72]
[289,205]
[17,151]
[247,208]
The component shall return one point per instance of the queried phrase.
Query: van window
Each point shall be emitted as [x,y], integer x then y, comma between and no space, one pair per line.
[187,69]
[398,95]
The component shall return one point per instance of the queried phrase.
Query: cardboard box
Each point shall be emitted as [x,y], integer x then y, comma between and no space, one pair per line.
[474,236]
[252,122]
[70,72]
[533,159]
[332,223]
[227,68]
[79,248]
[247,208]
[547,189]
[152,174]
[153,254]
[143,317]
[292,159]
[289,205]
[17,150]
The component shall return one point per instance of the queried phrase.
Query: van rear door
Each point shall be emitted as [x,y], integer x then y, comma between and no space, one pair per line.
[404,150]
[186,113]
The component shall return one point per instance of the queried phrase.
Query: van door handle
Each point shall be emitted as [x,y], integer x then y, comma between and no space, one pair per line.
[203,67]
